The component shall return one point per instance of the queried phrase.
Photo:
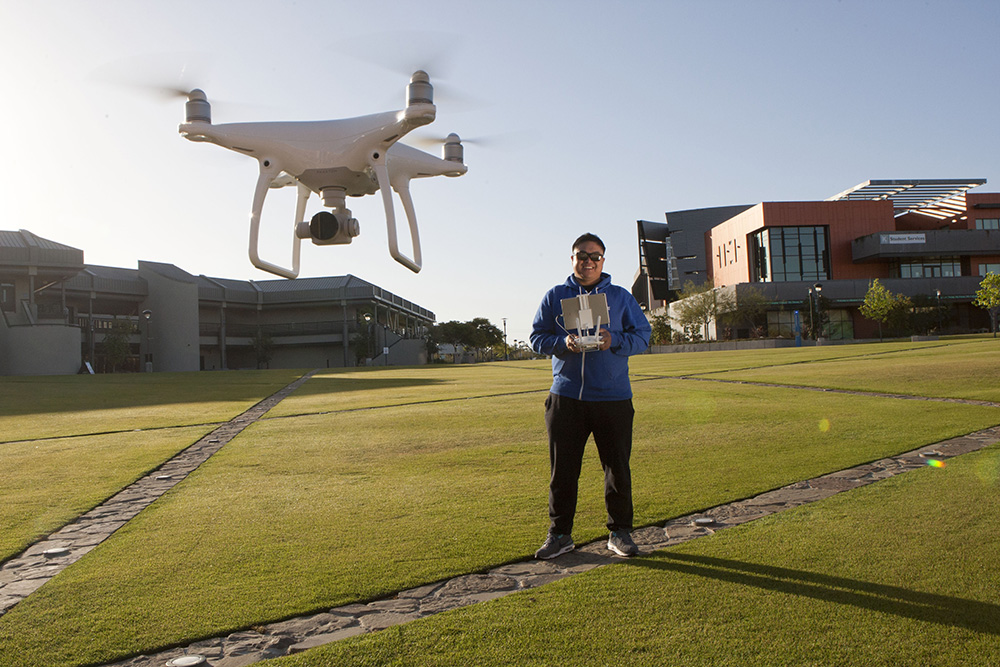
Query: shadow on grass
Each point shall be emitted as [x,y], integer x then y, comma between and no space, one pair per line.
[30,395]
[930,607]
[336,385]
[138,390]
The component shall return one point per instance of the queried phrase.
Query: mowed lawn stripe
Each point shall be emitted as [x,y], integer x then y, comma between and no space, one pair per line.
[970,370]
[703,361]
[305,513]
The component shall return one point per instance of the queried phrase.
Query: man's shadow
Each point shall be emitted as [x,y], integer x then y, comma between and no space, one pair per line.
[931,607]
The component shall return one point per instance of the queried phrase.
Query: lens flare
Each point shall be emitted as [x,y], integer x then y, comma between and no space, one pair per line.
[824,425]
[934,463]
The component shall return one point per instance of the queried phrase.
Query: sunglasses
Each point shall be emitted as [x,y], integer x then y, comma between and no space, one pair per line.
[593,256]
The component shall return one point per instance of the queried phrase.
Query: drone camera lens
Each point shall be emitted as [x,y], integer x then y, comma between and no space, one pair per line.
[324,226]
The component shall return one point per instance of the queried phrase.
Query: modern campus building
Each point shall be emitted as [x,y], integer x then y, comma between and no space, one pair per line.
[930,240]
[56,312]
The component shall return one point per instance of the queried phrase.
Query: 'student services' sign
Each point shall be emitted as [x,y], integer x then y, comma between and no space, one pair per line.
[895,239]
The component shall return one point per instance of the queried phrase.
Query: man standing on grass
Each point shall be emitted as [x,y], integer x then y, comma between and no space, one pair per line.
[590,394]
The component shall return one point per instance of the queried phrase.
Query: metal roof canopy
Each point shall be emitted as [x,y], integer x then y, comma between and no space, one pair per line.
[655,258]
[938,198]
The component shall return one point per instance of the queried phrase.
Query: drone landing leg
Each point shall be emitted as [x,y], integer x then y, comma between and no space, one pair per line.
[411,217]
[382,174]
[269,169]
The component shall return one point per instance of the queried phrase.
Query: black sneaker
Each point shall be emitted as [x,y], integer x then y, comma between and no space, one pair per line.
[621,543]
[555,545]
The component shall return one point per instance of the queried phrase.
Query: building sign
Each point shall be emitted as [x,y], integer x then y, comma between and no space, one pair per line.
[895,239]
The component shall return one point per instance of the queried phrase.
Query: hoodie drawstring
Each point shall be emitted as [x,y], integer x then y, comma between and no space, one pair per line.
[583,353]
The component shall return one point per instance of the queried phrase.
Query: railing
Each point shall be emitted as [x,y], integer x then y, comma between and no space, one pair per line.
[285,329]
[274,330]
[104,323]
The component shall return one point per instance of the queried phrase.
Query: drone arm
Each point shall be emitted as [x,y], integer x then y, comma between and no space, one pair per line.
[378,165]
[269,169]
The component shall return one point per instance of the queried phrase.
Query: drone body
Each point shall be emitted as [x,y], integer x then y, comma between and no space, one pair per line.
[335,159]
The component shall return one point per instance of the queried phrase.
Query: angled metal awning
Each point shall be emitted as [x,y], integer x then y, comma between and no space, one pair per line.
[656,259]
[938,198]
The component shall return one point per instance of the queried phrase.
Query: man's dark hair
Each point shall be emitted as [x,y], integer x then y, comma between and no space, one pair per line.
[588,237]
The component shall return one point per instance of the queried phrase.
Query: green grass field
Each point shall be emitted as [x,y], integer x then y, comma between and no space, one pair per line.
[363,483]
[902,573]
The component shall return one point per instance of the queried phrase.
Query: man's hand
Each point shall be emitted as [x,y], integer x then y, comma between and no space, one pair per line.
[605,339]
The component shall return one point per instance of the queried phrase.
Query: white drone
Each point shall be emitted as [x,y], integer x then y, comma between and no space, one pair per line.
[335,159]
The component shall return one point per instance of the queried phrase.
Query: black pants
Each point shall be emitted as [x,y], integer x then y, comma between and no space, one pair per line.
[570,422]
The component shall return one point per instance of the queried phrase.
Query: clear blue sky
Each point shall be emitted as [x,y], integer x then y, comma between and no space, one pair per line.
[599,113]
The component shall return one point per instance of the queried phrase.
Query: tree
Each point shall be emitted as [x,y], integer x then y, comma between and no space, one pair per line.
[479,335]
[988,297]
[520,350]
[814,323]
[926,314]
[363,341]
[883,306]
[484,336]
[430,345]
[750,307]
[662,332]
[117,346]
[451,333]
[263,348]
[700,305]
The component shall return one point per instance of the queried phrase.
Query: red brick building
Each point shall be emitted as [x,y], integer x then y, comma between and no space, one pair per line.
[930,240]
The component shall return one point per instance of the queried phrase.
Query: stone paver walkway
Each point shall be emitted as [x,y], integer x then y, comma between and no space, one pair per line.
[300,634]
[24,574]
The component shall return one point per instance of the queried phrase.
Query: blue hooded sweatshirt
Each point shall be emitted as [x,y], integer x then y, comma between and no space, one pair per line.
[596,375]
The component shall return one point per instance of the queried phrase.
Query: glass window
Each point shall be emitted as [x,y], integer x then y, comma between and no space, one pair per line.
[988,223]
[782,254]
[839,325]
[989,268]
[7,301]
[781,323]
[945,267]
[759,260]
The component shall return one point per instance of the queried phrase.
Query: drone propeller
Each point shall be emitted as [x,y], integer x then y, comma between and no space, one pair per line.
[436,141]
[166,78]
[163,75]
[403,51]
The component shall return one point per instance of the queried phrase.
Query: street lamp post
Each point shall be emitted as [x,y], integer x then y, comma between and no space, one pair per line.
[370,351]
[938,293]
[817,288]
[147,315]
[811,330]
[506,353]
[385,343]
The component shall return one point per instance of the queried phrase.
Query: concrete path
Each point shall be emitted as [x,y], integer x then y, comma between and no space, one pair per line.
[24,574]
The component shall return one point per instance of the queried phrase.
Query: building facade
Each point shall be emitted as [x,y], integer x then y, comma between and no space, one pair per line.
[930,240]
[56,314]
